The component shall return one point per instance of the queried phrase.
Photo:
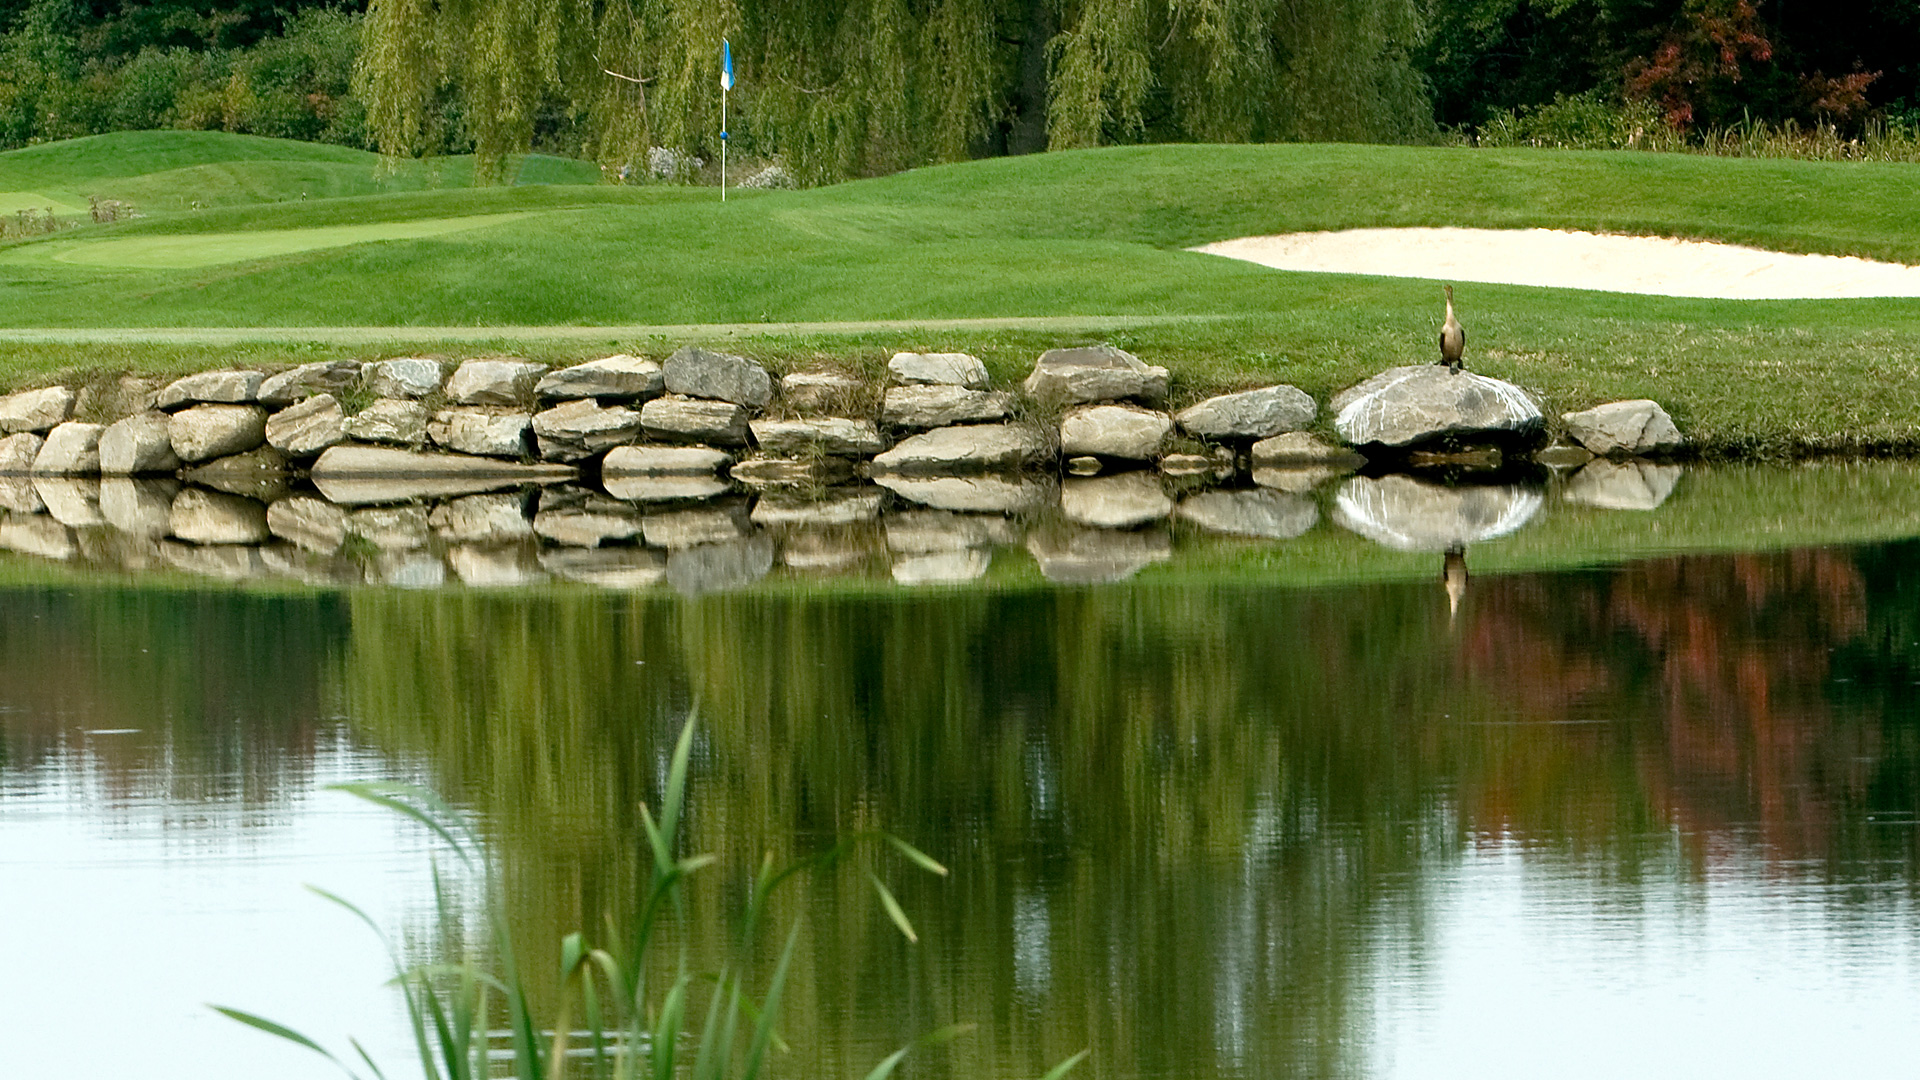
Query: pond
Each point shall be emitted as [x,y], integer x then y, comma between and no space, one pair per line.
[1639,796]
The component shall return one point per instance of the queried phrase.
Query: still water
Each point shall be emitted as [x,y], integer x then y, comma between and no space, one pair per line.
[1645,807]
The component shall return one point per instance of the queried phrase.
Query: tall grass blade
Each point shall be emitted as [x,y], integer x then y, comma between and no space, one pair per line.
[666,1034]
[408,799]
[919,858]
[763,1026]
[279,1030]
[894,910]
[378,1074]
[1066,1066]
[704,1067]
[935,1037]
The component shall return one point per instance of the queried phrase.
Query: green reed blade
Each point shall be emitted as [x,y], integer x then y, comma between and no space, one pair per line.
[1066,1066]
[279,1030]
[919,858]
[378,1074]
[402,799]
[894,911]
[666,1035]
[887,1064]
[703,1061]
[770,1009]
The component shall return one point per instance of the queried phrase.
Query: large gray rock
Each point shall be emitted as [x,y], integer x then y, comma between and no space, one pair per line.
[1115,502]
[36,411]
[685,419]
[410,378]
[17,453]
[1095,373]
[494,382]
[718,567]
[827,435]
[1623,485]
[938,369]
[138,508]
[1624,427]
[481,431]
[1413,515]
[309,523]
[614,378]
[971,448]
[308,380]
[205,432]
[482,519]
[971,494]
[1114,431]
[139,445]
[1407,405]
[1252,414]
[923,407]
[1300,448]
[580,429]
[1092,556]
[1270,515]
[72,501]
[664,461]
[215,387]
[199,516]
[695,372]
[72,449]
[390,420]
[376,474]
[822,392]
[303,430]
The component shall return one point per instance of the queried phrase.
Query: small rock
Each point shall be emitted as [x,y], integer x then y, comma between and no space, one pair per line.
[303,430]
[1115,502]
[139,508]
[211,431]
[668,488]
[1252,414]
[1114,431]
[1300,448]
[688,528]
[1624,427]
[36,411]
[71,501]
[390,528]
[1563,456]
[580,429]
[1098,373]
[38,535]
[199,516]
[480,431]
[1084,465]
[390,420]
[974,494]
[17,453]
[308,380]
[72,449]
[664,461]
[409,378]
[482,519]
[216,387]
[938,369]
[1623,485]
[1094,556]
[1407,405]
[139,445]
[921,407]
[615,378]
[493,382]
[770,472]
[696,372]
[685,419]
[313,524]
[1270,515]
[828,435]
[1413,515]
[822,392]
[608,568]
[974,447]
[1187,464]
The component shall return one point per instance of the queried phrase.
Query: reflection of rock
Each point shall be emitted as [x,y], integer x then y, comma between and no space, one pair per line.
[493,567]
[618,378]
[922,532]
[687,528]
[138,507]
[138,445]
[763,473]
[1115,431]
[922,407]
[390,528]
[717,567]
[409,378]
[1298,480]
[838,507]
[827,434]
[493,382]
[257,474]
[205,432]
[408,570]
[1270,514]
[1413,515]
[17,453]
[664,488]
[971,448]
[72,502]
[228,562]
[1299,448]
[590,524]
[214,517]
[37,411]
[696,372]
[975,494]
[942,567]
[1629,485]
[39,535]
[1090,556]
[1632,427]
[17,495]
[938,369]
[1096,373]
[609,568]
[313,524]
[390,420]
[827,550]
[1252,414]
[482,519]
[1115,502]
[72,449]
[371,474]
[1406,405]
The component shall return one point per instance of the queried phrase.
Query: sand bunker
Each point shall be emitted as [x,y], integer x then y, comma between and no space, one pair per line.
[1578,260]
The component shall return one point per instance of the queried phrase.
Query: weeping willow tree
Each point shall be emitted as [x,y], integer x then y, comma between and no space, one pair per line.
[841,88]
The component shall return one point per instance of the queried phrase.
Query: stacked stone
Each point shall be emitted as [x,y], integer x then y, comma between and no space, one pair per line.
[949,422]
[817,444]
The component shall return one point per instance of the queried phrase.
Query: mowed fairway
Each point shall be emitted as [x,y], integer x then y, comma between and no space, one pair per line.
[194,250]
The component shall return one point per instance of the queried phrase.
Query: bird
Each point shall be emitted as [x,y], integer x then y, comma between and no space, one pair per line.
[1453,574]
[1453,337]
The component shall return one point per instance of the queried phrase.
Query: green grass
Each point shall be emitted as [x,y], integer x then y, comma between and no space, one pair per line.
[1095,236]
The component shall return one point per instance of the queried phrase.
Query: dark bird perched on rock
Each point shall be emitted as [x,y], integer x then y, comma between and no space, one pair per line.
[1453,574]
[1453,337]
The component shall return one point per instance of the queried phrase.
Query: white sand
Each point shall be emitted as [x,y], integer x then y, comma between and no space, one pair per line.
[1577,260]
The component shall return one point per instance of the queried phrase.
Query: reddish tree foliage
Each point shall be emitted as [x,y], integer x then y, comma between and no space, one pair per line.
[1700,57]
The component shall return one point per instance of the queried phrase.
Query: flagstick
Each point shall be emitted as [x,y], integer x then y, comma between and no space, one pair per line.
[723,145]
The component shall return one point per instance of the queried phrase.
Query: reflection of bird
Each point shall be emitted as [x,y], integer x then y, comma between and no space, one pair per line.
[1453,337]
[1453,574]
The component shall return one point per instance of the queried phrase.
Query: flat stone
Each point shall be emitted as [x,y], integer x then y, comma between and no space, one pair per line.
[72,501]
[412,377]
[213,387]
[1624,427]
[664,461]
[607,568]
[481,431]
[970,448]
[1412,515]
[139,445]
[494,382]
[199,516]
[938,369]
[1115,502]
[211,431]
[973,494]
[770,472]
[1096,373]
[613,378]
[823,392]
[1623,485]
[482,519]
[921,407]
[664,488]
[309,523]
[687,528]
[1300,448]
[303,430]
[719,567]
[838,507]
[685,419]
[36,411]
[1250,414]
[943,567]
[38,535]
[827,435]
[1114,431]
[697,372]
[390,528]
[72,449]
[1270,515]
[591,525]
[373,474]
[1407,405]
[480,567]
[390,420]
[1094,556]
[139,508]
[17,453]
[580,429]
[308,380]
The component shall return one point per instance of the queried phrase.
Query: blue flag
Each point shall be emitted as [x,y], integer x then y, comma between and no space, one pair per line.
[726,64]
